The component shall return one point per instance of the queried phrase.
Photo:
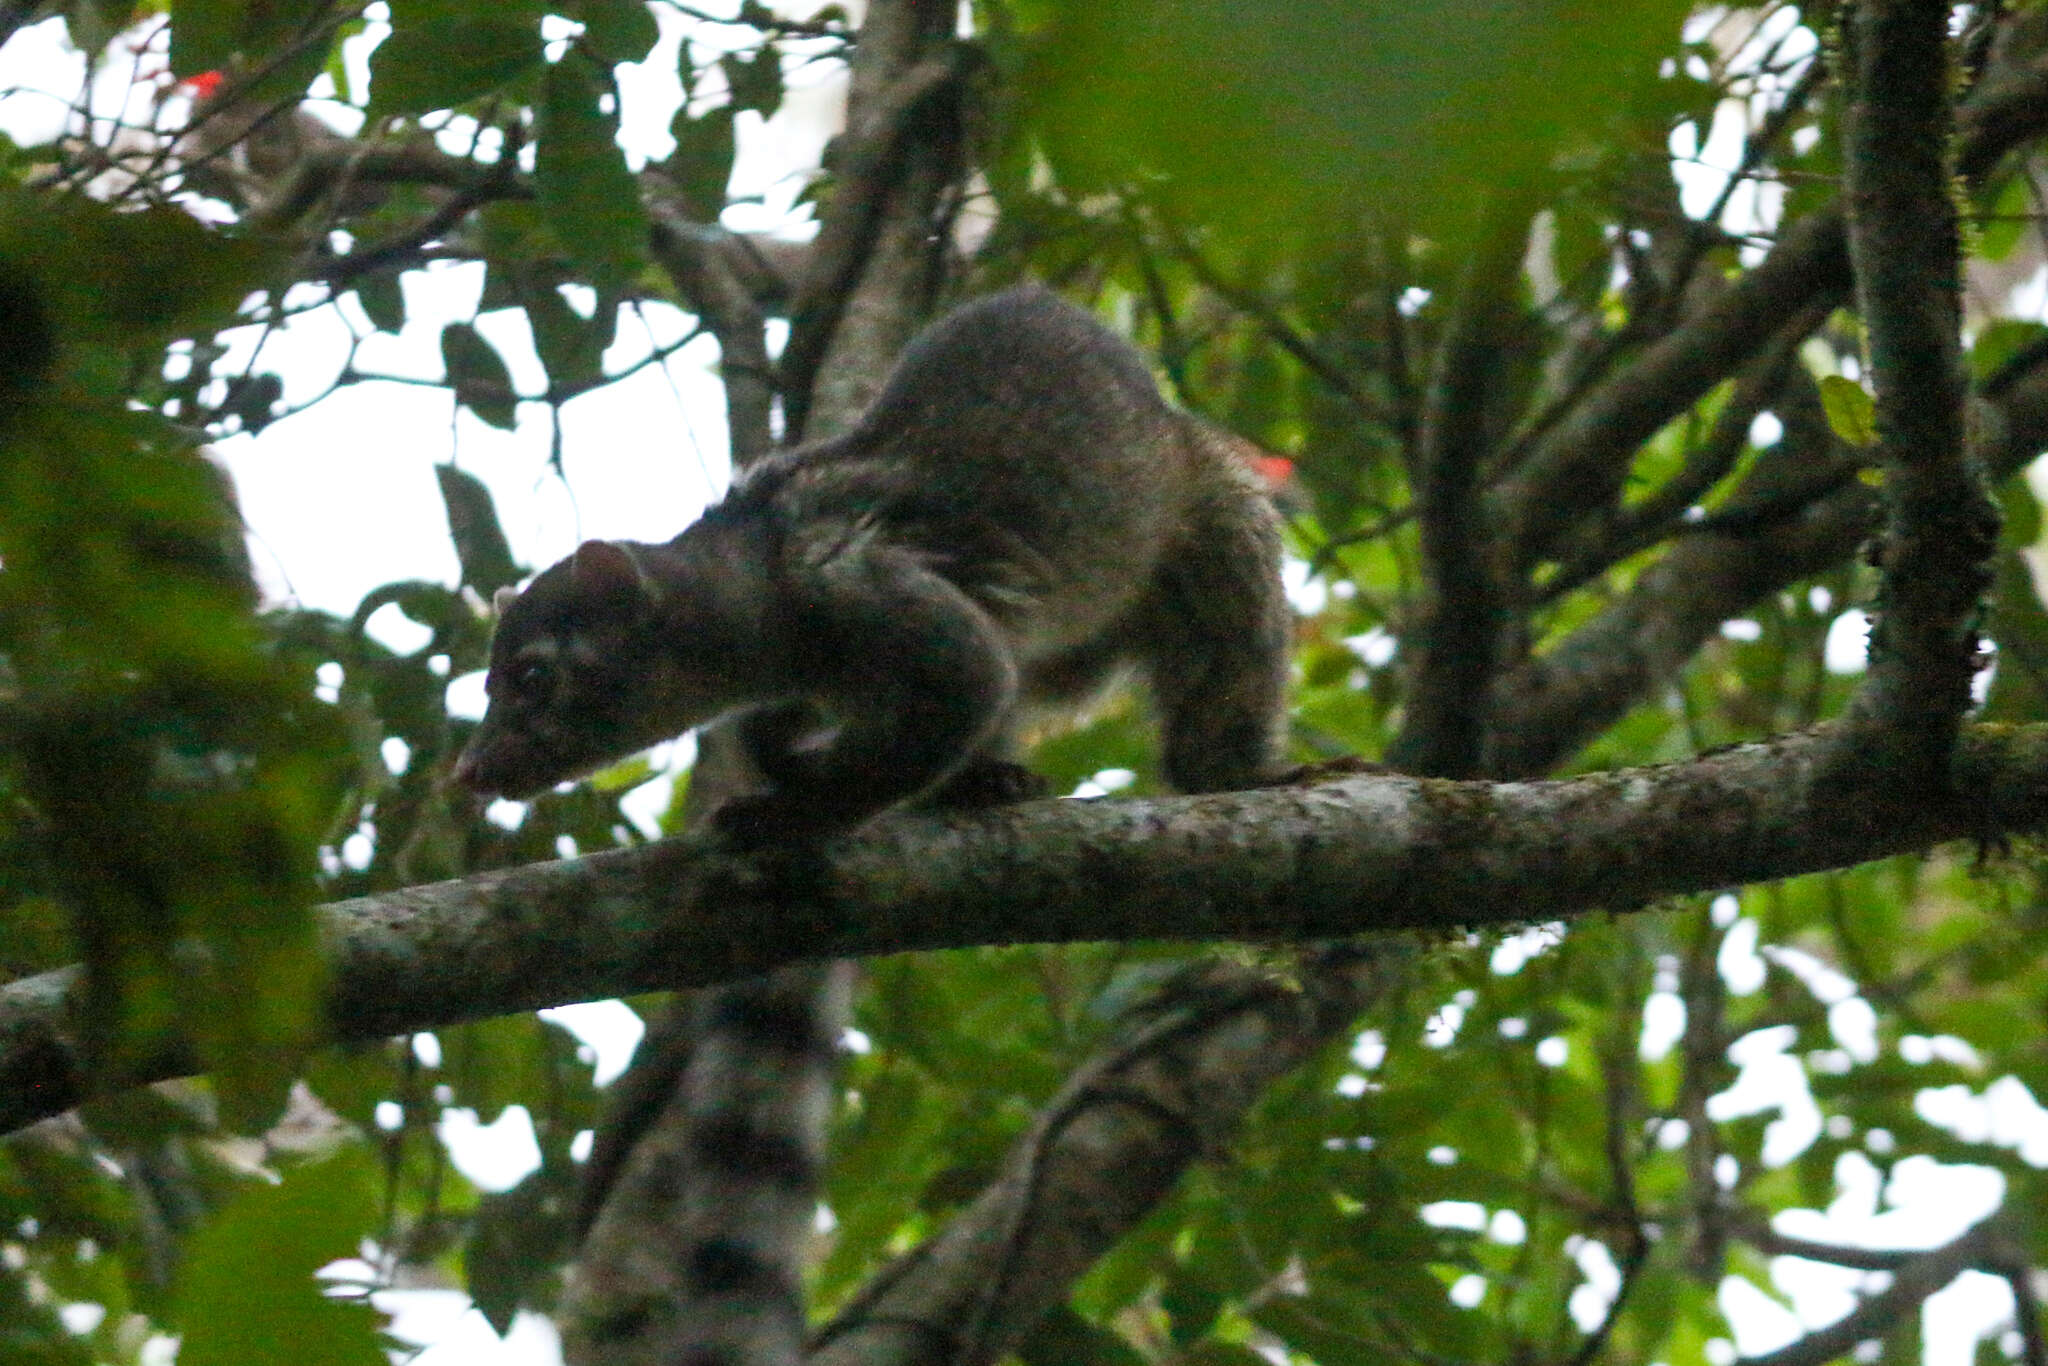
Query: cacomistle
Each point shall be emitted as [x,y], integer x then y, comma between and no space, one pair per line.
[1018,514]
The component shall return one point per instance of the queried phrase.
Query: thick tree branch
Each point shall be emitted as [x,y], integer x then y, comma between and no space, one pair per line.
[1364,855]
[1661,514]
[1463,617]
[2009,102]
[1911,1284]
[705,276]
[1576,463]
[1942,526]
[1103,1151]
[1551,706]
[1579,463]
[868,170]
[315,163]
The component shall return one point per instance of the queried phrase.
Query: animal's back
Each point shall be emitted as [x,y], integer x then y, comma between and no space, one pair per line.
[1018,514]
[1027,450]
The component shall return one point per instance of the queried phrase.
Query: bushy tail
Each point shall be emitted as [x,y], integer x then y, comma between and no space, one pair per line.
[703,1193]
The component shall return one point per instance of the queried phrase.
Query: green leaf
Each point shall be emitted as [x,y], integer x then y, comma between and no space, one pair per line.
[757,83]
[92,24]
[1064,1338]
[2010,216]
[512,230]
[1998,342]
[271,25]
[623,776]
[442,53]
[1221,1354]
[701,165]
[520,1237]
[252,398]
[353,1083]
[478,374]
[246,1291]
[480,544]
[286,82]
[591,200]
[618,30]
[2019,690]
[352,86]
[571,346]
[1288,122]
[1851,414]
[32,1334]
[204,34]
[33,935]
[383,300]
[2019,514]
[521,1059]
[79,258]
[207,35]
[248,36]
[1191,1310]
[28,345]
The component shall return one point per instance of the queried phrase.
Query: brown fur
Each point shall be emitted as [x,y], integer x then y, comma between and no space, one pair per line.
[1018,515]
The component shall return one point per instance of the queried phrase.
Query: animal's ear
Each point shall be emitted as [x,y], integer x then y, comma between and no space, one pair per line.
[607,570]
[503,599]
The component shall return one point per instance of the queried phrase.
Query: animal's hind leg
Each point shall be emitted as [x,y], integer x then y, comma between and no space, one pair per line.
[1215,642]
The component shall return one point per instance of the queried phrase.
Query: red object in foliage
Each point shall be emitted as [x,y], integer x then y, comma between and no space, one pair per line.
[204,84]
[1277,470]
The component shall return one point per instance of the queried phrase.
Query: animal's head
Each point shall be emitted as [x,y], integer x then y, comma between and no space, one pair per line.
[583,673]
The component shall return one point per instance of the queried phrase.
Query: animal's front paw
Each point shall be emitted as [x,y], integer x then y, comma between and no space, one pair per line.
[761,819]
[989,782]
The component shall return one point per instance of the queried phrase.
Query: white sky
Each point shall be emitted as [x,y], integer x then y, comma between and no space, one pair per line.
[342,499]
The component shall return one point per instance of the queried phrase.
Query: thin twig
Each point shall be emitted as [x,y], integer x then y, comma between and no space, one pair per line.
[1661,514]
[404,246]
[1283,332]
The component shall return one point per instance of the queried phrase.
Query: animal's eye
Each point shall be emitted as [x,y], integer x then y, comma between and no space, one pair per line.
[532,677]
